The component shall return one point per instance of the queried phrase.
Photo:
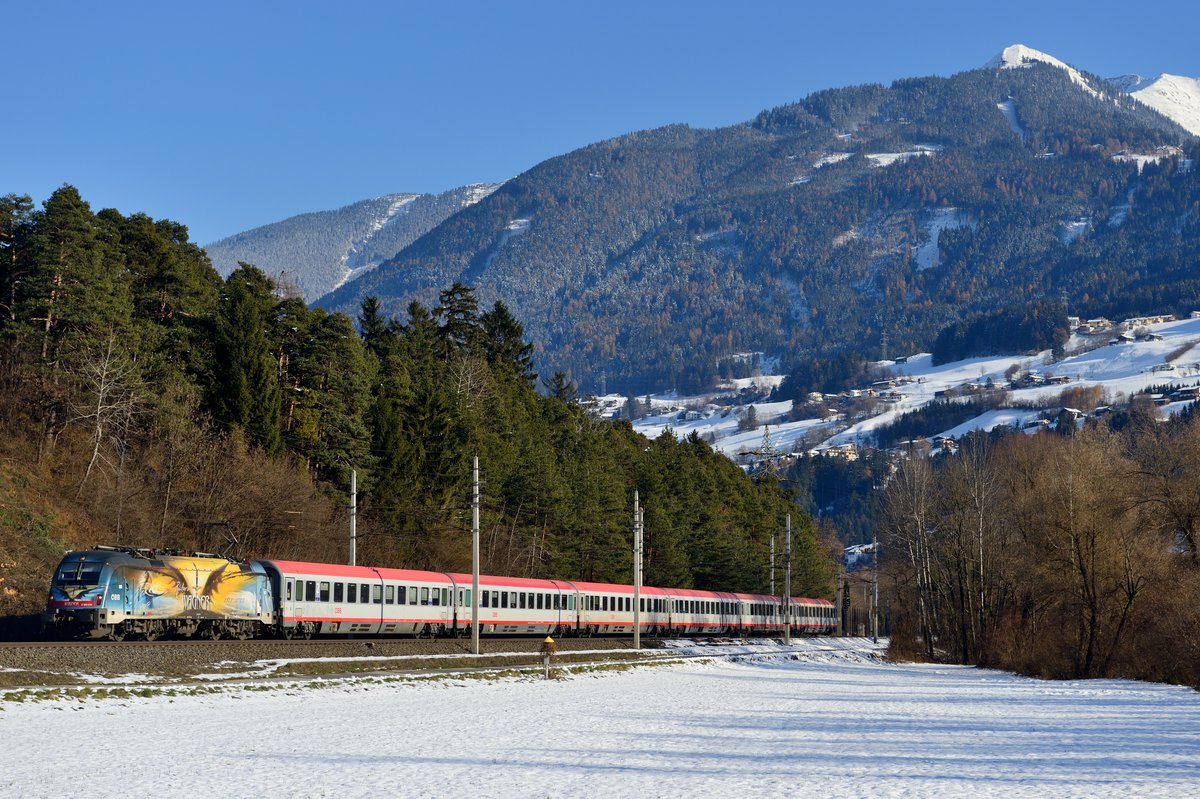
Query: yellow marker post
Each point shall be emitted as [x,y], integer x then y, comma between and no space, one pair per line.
[548,650]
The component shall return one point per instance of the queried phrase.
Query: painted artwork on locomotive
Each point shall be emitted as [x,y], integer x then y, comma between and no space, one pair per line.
[194,588]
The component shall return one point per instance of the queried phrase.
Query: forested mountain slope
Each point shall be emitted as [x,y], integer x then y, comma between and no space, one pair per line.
[868,217]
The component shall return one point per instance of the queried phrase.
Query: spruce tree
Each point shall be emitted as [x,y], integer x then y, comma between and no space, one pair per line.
[504,342]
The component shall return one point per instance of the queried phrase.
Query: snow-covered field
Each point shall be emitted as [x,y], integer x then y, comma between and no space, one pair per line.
[835,723]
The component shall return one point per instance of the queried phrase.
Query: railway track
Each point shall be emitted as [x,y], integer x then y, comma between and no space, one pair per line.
[181,658]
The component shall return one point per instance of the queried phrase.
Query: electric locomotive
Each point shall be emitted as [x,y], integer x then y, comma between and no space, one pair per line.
[112,592]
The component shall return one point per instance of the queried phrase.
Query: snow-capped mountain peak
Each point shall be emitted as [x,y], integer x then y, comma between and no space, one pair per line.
[1018,55]
[1174,96]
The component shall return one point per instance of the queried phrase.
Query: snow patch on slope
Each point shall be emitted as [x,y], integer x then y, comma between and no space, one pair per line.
[887,159]
[1009,109]
[928,254]
[1018,55]
[477,191]
[349,262]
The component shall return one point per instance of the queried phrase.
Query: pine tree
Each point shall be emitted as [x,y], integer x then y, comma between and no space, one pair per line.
[76,290]
[16,221]
[247,385]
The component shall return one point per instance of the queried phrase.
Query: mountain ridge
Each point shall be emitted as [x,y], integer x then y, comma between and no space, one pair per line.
[318,251]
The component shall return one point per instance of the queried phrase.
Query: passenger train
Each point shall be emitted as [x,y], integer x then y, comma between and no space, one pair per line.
[114,593]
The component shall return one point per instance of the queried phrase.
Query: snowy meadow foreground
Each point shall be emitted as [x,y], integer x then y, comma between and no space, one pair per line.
[836,722]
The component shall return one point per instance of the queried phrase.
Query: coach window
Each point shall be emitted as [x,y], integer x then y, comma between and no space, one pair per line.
[521,600]
[541,602]
[324,591]
[339,592]
[504,599]
[389,594]
[377,594]
[364,592]
[310,590]
[288,591]
[512,600]
[433,600]
[483,599]
[352,592]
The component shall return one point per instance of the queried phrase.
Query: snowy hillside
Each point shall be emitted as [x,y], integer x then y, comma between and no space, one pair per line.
[1168,355]
[1174,96]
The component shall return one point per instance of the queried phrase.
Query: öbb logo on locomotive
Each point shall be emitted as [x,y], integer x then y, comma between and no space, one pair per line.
[118,592]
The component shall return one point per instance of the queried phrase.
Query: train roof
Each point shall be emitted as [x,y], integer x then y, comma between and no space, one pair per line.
[616,588]
[499,581]
[357,572]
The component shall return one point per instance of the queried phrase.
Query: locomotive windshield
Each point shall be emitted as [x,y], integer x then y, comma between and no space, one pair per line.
[78,573]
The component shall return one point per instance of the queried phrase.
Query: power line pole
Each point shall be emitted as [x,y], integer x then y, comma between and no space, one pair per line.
[637,572]
[353,517]
[787,581]
[475,555]
[875,588]
[772,564]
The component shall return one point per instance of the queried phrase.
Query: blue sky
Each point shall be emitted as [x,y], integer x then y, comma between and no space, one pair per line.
[229,115]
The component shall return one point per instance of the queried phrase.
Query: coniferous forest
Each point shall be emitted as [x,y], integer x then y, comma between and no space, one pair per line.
[146,401]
